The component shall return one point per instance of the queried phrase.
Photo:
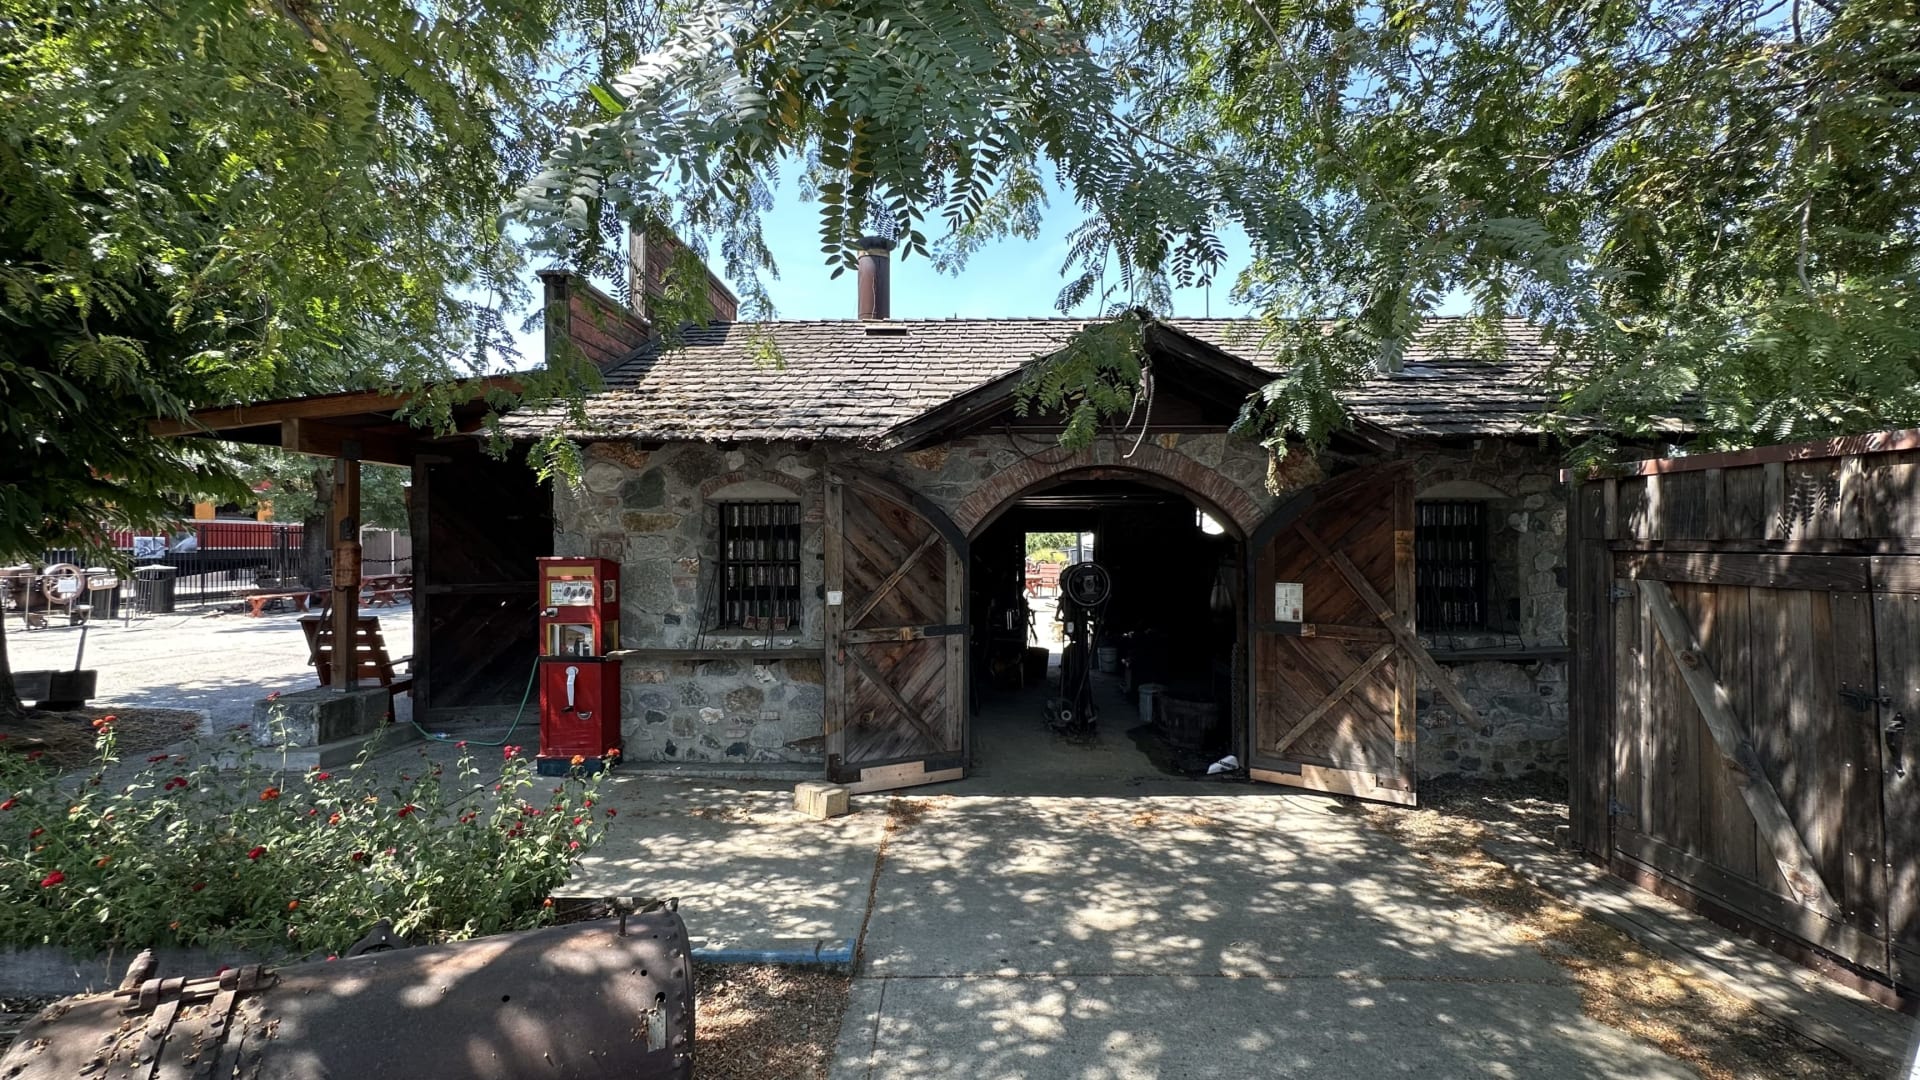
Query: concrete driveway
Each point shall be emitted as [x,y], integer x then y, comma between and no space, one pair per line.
[1230,932]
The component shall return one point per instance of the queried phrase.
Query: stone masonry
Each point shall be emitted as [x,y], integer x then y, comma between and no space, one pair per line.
[656,510]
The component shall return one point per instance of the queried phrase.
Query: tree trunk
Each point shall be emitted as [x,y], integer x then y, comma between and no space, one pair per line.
[315,544]
[11,710]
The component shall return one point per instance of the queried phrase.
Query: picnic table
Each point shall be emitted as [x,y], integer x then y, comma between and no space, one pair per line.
[377,590]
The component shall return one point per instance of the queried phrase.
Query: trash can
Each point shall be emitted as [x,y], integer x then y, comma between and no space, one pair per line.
[153,588]
[103,592]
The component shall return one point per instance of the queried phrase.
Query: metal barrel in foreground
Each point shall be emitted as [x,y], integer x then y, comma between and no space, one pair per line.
[583,1000]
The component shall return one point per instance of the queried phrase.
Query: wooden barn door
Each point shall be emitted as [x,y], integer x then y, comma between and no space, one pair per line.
[1747,738]
[896,629]
[1896,632]
[1333,692]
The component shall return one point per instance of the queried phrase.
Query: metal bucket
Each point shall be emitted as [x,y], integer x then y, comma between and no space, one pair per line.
[585,1000]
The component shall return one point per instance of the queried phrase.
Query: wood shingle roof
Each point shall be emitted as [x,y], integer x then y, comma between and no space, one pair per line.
[845,380]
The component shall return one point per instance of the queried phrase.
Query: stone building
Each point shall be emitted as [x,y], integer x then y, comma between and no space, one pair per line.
[820,526]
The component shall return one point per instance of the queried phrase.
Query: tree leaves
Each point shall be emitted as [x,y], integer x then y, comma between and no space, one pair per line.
[1709,209]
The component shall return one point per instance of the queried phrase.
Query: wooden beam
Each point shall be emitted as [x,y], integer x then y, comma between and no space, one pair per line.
[1789,848]
[343,525]
[1406,725]
[321,439]
[1820,573]
[1342,632]
[886,584]
[1346,686]
[874,635]
[352,403]
[834,578]
[1418,652]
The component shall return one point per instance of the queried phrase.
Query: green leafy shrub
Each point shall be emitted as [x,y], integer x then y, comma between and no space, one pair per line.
[282,864]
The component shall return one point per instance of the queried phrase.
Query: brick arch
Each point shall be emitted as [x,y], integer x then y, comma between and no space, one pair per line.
[1150,464]
[739,476]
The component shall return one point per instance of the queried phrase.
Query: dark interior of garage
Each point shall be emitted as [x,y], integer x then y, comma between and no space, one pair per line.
[1161,645]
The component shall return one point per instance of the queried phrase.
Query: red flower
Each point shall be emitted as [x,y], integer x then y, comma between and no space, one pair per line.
[102,861]
[333,818]
[176,782]
[35,834]
[313,812]
[273,696]
[35,755]
[156,757]
[577,821]
[507,752]
[573,845]
[610,752]
[9,804]
[323,776]
[101,722]
[611,812]
[52,879]
[358,856]
[589,804]
[390,852]
[461,745]
[197,886]
[548,902]
[255,854]
[270,794]
[405,810]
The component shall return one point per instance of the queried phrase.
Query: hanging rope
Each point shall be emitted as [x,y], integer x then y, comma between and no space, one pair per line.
[1146,422]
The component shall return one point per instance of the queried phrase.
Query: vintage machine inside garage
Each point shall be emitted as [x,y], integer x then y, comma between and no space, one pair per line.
[579,682]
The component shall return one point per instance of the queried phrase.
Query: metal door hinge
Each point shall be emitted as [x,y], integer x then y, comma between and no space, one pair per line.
[1618,592]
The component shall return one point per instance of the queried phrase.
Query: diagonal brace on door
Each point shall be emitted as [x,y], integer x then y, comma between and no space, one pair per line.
[1383,611]
[1790,851]
[913,717]
[1347,686]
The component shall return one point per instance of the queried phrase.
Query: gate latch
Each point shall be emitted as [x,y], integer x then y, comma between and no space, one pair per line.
[1861,700]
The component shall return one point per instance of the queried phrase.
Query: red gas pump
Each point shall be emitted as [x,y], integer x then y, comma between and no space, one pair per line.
[579,682]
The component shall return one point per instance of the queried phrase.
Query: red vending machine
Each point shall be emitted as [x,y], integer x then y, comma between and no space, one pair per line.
[579,682]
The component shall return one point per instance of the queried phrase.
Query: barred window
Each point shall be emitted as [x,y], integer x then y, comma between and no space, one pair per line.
[1450,561]
[760,565]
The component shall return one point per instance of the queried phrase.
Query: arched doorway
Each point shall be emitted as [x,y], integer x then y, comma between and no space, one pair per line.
[1166,646]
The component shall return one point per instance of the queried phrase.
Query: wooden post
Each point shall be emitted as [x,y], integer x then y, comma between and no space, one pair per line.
[343,523]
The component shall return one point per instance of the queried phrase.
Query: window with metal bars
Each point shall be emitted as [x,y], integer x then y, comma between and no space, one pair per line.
[1450,565]
[760,565]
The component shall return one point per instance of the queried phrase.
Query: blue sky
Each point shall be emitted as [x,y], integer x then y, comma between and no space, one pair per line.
[1013,278]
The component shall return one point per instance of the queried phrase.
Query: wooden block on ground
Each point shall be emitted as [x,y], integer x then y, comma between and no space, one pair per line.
[819,800]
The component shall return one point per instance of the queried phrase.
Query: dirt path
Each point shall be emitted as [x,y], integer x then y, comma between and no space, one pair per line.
[1620,983]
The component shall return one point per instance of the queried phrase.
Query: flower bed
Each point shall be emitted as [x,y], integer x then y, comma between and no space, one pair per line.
[251,860]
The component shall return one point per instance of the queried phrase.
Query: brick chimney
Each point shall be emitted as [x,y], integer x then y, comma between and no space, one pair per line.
[650,252]
[875,288]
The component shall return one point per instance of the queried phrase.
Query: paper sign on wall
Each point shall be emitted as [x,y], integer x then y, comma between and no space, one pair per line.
[833,597]
[1288,599]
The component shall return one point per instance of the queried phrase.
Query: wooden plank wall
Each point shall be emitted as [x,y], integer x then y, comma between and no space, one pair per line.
[1788,568]
[478,525]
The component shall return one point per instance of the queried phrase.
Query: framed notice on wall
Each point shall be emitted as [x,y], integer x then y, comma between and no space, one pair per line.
[1288,599]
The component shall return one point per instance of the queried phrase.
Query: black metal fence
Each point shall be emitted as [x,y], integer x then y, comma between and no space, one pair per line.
[213,561]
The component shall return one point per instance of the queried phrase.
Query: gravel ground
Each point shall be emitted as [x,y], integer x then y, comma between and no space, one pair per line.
[217,665]
[1621,984]
[65,739]
[765,1023]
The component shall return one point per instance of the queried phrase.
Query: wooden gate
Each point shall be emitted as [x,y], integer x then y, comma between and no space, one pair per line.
[1333,689]
[896,629]
[1746,660]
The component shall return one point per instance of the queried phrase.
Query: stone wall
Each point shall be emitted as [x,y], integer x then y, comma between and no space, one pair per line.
[656,511]
[1522,705]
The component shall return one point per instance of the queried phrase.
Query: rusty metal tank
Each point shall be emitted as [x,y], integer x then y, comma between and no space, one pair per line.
[606,998]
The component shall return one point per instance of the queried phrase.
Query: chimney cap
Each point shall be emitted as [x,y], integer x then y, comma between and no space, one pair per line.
[878,245]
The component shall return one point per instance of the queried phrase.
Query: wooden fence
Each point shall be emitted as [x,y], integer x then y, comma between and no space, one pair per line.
[1746,665]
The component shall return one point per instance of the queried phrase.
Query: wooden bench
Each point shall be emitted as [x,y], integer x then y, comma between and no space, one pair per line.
[372,664]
